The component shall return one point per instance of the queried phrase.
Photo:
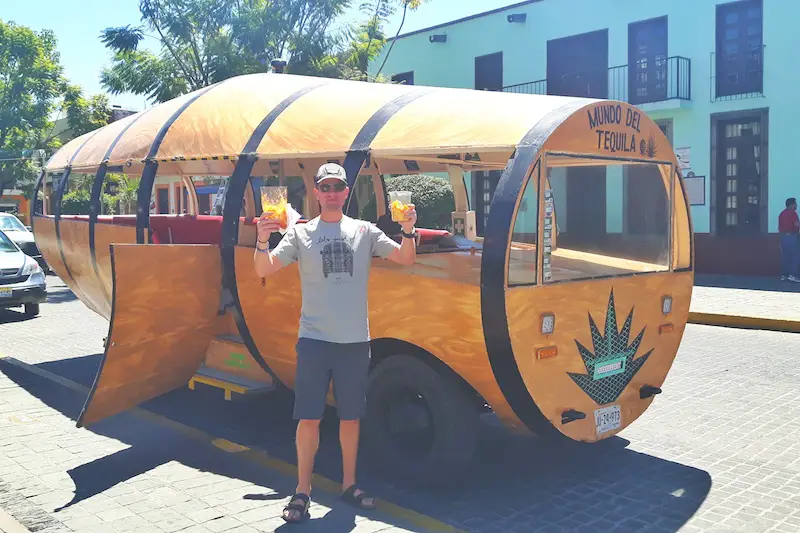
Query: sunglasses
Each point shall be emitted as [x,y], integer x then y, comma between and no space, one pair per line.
[336,187]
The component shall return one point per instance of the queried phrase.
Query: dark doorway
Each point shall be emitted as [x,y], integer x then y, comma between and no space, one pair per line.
[578,65]
[162,196]
[647,61]
[483,187]
[489,72]
[647,202]
[740,180]
[586,207]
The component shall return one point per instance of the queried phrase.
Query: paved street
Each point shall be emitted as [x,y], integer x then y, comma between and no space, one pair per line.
[717,451]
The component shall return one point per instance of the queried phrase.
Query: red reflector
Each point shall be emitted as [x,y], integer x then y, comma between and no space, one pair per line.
[665,328]
[545,353]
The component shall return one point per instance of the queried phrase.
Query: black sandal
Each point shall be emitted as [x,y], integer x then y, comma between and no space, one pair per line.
[302,509]
[350,497]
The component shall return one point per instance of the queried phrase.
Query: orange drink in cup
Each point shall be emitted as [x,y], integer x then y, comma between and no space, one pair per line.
[399,205]
[273,204]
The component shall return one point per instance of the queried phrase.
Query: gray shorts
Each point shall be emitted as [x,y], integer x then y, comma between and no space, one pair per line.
[317,363]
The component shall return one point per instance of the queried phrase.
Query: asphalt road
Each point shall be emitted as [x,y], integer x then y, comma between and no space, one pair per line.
[717,451]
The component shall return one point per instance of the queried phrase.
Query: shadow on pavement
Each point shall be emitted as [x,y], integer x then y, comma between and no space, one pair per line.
[746,282]
[10,316]
[514,479]
[60,296]
[152,445]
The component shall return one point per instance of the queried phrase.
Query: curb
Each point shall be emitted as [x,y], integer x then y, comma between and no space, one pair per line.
[745,322]
[8,524]
[248,454]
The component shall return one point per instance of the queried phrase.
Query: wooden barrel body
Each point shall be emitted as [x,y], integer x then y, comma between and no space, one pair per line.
[572,340]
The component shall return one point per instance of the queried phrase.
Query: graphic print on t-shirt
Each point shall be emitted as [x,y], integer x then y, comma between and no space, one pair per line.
[337,258]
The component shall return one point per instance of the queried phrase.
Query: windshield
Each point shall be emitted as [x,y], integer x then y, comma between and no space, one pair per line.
[11,224]
[5,244]
[601,218]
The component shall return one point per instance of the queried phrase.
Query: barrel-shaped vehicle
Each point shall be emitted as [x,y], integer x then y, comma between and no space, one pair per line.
[559,308]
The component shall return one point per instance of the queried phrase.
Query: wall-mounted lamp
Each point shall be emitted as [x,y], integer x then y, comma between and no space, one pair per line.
[438,38]
[517,17]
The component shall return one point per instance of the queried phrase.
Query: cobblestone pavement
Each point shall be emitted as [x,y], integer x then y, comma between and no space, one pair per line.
[717,451]
[742,296]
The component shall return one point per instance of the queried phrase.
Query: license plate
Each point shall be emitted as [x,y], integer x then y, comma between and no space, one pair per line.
[5,292]
[607,419]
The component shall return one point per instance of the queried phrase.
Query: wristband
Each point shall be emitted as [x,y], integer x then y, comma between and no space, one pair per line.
[262,250]
[408,235]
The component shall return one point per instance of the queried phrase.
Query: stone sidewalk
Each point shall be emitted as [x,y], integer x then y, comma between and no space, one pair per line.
[766,299]
[131,474]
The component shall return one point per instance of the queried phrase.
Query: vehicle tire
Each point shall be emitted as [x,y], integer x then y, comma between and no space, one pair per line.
[421,426]
[31,310]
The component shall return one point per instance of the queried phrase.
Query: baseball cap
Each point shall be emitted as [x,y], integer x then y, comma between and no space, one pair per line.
[331,170]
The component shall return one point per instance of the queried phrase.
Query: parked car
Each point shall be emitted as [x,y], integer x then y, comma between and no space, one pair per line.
[23,237]
[22,281]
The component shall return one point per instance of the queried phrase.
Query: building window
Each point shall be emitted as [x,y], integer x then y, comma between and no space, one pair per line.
[406,78]
[489,72]
[578,65]
[740,178]
[647,60]
[740,49]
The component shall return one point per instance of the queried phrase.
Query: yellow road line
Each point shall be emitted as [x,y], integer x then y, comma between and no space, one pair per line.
[749,322]
[254,456]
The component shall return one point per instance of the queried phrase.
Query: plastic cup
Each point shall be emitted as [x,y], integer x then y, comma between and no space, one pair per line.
[274,200]
[398,205]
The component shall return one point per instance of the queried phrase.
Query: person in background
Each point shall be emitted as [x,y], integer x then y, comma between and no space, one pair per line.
[789,228]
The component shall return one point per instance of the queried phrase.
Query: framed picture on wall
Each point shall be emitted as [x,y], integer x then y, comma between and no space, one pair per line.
[695,189]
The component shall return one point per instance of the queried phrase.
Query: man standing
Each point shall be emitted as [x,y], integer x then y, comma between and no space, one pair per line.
[788,227]
[334,253]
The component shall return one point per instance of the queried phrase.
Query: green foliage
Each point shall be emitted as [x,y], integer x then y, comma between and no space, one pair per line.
[207,41]
[75,203]
[124,198]
[30,82]
[76,200]
[388,8]
[85,115]
[432,197]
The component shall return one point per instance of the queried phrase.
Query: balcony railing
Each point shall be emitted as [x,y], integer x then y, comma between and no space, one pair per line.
[739,75]
[645,82]
[532,87]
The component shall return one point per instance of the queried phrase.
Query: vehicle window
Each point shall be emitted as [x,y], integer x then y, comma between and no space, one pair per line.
[523,253]
[11,224]
[611,218]
[5,244]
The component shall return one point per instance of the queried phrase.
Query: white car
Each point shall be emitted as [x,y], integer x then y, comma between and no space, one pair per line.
[22,281]
[23,237]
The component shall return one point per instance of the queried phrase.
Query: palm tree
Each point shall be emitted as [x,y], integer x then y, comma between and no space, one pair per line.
[413,5]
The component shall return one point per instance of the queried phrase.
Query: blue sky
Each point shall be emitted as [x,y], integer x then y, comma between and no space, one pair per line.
[77,25]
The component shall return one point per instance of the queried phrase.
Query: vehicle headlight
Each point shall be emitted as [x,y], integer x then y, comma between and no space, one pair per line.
[31,267]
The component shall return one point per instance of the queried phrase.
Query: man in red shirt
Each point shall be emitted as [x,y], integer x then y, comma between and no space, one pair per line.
[789,227]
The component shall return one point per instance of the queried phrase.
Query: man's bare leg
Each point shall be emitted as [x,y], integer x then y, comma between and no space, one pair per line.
[307,443]
[348,438]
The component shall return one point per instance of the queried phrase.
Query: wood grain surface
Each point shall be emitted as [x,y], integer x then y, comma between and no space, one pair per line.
[572,304]
[161,326]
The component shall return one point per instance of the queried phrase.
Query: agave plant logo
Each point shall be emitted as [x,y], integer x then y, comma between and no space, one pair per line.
[648,148]
[612,365]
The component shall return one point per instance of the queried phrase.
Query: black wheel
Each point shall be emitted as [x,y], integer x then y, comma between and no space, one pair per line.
[31,310]
[420,426]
